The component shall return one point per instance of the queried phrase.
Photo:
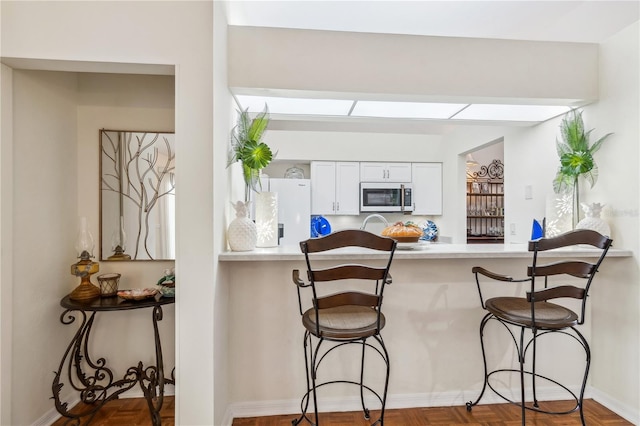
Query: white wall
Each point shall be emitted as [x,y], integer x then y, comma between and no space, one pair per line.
[532,159]
[6,240]
[222,108]
[616,302]
[347,146]
[173,33]
[45,224]
[417,67]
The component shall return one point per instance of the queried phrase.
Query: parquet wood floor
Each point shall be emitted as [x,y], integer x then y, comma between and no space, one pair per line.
[128,412]
[133,412]
[481,415]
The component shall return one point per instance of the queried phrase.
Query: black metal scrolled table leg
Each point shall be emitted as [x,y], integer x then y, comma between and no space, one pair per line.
[90,377]
[93,390]
[78,379]
[62,407]
[154,375]
[93,386]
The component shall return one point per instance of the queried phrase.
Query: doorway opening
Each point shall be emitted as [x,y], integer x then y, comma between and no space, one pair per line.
[485,194]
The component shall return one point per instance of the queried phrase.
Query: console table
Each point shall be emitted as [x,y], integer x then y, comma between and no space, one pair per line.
[90,377]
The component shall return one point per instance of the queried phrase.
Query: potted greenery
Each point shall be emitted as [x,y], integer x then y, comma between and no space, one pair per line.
[247,147]
[576,158]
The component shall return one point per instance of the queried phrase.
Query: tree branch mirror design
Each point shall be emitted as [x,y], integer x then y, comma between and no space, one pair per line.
[137,195]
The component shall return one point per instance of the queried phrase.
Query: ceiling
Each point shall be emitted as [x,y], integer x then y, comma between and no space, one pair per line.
[569,21]
[574,21]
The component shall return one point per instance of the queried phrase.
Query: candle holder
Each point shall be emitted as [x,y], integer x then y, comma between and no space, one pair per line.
[108,284]
[85,267]
[118,243]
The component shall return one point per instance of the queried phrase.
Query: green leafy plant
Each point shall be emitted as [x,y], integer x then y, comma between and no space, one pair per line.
[576,158]
[247,147]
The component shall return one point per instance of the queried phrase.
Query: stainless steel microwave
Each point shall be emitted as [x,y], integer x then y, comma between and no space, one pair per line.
[385,197]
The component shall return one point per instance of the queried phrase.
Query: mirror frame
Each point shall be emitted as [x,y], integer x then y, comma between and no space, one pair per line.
[150,159]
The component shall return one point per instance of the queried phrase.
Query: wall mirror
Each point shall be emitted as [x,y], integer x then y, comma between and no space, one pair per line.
[137,195]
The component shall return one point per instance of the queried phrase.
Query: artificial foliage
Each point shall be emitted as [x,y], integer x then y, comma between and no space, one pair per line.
[247,147]
[576,157]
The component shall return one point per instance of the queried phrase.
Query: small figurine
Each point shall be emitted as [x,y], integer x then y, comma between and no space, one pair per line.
[169,278]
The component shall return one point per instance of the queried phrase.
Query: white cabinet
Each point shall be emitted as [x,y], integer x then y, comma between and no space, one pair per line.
[385,172]
[335,188]
[347,188]
[427,188]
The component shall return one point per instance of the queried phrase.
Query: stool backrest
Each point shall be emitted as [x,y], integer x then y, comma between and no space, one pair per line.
[575,268]
[318,251]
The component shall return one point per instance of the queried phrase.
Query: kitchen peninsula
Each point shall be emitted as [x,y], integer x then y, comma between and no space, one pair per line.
[432,311]
[417,251]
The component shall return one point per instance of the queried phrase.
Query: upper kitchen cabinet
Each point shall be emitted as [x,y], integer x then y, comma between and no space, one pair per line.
[385,172]
[427,188]
[335,187]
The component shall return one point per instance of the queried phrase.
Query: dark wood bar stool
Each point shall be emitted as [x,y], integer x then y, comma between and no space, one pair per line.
[535,313]
[351,316]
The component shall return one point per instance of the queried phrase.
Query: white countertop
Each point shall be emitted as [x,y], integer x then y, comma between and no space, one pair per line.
[417,251]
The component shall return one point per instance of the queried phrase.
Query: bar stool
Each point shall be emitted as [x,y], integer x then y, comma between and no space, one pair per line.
[535,313]
[351,316]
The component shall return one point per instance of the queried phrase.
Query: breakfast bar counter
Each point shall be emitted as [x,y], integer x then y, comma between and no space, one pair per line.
[417,251]
[432,314]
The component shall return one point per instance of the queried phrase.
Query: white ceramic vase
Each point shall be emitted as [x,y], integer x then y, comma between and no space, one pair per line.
[592,220]
[267,219]
[242,234]
[559,214]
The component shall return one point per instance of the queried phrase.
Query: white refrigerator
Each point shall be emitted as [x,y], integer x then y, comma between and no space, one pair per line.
[294,208]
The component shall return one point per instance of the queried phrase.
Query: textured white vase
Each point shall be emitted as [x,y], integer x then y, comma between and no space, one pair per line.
[592,220]
[559,214]
[242,234]
[267,219]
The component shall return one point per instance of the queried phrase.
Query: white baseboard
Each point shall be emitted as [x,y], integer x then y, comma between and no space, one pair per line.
[48,418]
[430,399]
[623,410]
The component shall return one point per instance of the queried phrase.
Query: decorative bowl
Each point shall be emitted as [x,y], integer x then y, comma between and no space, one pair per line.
[138,293]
